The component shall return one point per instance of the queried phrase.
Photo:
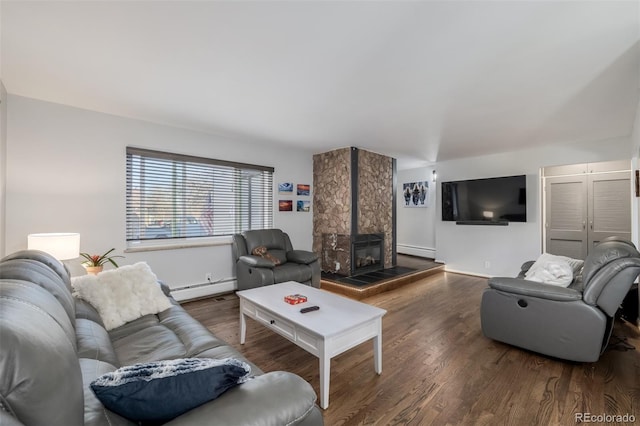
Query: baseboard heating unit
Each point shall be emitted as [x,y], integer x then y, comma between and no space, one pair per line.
[193,291]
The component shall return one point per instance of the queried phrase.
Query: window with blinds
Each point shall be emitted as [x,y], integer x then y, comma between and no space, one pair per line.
[180,196]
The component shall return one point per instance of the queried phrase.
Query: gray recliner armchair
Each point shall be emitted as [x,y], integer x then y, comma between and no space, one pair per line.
[572,323]
[280,263]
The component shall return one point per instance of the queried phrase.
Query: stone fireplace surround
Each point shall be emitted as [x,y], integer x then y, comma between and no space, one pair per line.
[354,200]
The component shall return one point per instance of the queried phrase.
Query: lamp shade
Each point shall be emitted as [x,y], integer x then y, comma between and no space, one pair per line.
[61,245]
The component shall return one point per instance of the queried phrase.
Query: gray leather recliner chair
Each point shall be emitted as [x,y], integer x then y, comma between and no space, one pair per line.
[255,271]
[572,323]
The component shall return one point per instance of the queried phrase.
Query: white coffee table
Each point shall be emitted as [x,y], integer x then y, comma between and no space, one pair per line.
[339,324]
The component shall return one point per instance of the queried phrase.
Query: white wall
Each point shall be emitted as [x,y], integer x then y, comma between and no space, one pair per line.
[635,137]
[635,141]
[416,226]
[466,248]
[66,173]
[3,167]
[3,153]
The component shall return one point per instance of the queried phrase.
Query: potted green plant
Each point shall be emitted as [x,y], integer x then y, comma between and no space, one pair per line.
[95,262]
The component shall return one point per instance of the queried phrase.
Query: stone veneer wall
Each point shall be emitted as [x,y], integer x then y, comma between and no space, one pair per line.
[375,199]
[332,190]
[331,195]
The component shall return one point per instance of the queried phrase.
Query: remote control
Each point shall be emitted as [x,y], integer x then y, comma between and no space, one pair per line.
[309,309]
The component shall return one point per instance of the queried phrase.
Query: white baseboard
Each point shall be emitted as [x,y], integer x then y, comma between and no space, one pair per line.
[182,294]
[457,271]
[427,252]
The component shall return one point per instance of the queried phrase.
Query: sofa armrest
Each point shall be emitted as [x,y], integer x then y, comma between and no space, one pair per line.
[301,256]
[276,398]
[527,265]
[165,288]
[256,261]
[534,289]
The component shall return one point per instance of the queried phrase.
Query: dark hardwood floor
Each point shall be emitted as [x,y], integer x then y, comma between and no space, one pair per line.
[438,368]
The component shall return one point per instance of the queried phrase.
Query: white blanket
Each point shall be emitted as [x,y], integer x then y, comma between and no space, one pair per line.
[550,269]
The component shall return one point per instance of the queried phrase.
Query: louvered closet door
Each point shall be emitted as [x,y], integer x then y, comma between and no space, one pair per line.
[566,216]
[609,206]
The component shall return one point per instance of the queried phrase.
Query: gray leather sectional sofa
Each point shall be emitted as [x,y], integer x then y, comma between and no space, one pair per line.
[52,346]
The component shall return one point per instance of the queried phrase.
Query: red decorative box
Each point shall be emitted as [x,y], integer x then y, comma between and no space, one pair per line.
[294,299]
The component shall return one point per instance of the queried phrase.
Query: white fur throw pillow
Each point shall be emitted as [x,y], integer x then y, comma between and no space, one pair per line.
[554,270]
[123,294]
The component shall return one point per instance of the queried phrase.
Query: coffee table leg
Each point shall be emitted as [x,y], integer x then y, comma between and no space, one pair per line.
[377,349]
[325,375]
[243,324]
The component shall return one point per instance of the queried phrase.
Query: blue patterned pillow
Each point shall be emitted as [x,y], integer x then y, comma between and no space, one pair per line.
[159,391]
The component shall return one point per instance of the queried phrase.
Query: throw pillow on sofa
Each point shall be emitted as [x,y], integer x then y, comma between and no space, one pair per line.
[554,270]
[156,392]
[123,294]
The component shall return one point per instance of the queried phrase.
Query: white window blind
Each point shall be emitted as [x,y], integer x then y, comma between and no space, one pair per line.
[179,196]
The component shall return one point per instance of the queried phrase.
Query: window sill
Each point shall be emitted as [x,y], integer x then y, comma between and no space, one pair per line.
[177,244]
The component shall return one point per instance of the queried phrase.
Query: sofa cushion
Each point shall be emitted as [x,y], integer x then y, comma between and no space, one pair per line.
[195,337]
[153,343]
[46,259]
[41,381]
[40,274]
[85,310]
[123,294]
[275,398]
[272,239]
[292,272]
[257,261]
[39,298]
[161,391]
[94,412]
[170,334]
[94,342]
[281,255]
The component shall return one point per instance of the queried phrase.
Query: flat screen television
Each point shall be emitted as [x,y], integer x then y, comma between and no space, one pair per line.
[498,200]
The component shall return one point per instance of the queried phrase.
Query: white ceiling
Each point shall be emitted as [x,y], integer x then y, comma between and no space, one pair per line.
[423,81]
